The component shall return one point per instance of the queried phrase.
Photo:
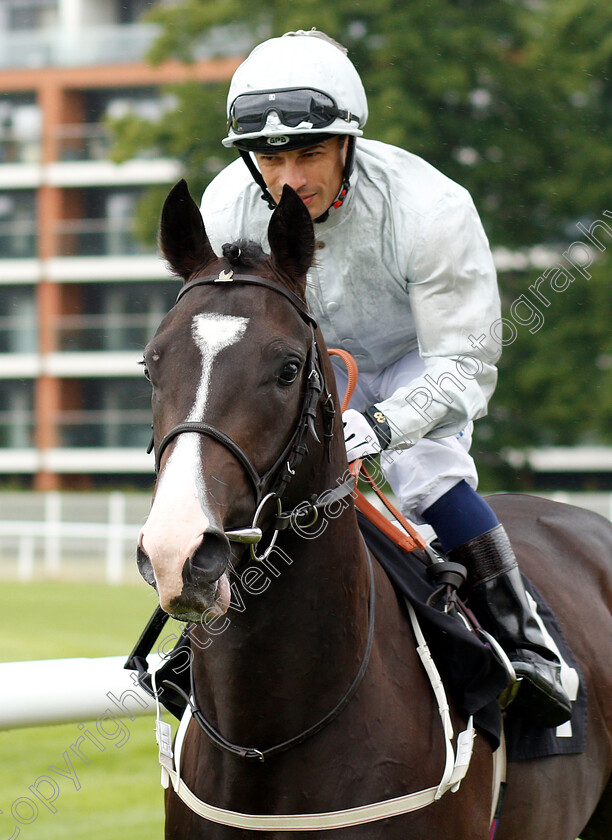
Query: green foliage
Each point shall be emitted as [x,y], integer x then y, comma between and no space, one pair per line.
[511,99]
[563,371]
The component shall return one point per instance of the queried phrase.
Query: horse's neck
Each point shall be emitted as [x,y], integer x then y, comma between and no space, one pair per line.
[294,635]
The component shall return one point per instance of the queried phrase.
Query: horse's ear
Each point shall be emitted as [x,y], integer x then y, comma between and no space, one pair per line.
[182,237]
[291,238]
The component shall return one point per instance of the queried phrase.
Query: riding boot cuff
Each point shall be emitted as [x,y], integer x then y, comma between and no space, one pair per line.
[486,556]
[500,602]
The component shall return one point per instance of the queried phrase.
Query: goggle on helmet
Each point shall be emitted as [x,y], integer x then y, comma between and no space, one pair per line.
[291,89]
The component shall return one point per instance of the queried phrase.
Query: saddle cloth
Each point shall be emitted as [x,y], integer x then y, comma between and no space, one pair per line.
[471,672]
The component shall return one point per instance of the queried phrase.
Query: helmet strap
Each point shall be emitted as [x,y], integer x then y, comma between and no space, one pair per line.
[344,188]
[258,178]
[346,179]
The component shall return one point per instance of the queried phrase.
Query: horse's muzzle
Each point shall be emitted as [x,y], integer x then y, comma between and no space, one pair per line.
[200,589]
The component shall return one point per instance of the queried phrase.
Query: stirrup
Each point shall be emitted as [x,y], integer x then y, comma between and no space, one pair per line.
[510,692]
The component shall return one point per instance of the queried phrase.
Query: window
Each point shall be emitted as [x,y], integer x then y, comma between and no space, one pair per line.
[17,224]
[30,14]
[105,225]
[129,11]
[117,317]
[17,414]
[20,128]
[114,413]
[18,327]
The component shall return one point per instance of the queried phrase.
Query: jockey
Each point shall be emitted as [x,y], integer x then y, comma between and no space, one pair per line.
[404,280]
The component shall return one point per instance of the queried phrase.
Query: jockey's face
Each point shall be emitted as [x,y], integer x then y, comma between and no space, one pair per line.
[315,173]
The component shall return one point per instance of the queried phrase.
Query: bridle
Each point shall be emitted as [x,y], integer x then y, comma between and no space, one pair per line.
[272,484]
[277,478]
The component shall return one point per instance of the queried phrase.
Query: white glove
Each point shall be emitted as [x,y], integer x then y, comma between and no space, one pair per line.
[359,437]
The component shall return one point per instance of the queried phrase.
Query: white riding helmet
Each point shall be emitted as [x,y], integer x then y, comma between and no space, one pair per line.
[292,88]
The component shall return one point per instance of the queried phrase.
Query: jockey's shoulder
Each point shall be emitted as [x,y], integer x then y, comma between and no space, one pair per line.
[233,183]
[405,178]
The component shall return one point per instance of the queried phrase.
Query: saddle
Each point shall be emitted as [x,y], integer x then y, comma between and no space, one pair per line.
[472,673]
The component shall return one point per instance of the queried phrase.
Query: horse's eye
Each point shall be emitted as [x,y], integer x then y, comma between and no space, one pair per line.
[145,369]
[289,373]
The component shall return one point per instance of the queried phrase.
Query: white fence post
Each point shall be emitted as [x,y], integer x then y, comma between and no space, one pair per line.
[114,542]
[53,519]
[25,558]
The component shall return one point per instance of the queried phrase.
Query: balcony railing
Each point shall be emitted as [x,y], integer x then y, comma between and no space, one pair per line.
[15,148]
[94,333]
[93,45]
[83,141]
[99,238]
[90,141]
[105,428]
[16,429]
[18,334]
[18,239]
[107,44]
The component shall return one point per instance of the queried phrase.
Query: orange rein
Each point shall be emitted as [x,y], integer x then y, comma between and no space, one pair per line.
[411,539]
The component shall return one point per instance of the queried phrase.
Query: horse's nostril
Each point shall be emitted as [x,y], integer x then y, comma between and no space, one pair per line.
[210,559]
[145,566]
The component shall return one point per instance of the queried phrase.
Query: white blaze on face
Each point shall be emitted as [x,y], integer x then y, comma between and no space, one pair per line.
[178,517]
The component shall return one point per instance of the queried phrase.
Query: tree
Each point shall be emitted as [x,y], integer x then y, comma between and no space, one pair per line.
[511,99]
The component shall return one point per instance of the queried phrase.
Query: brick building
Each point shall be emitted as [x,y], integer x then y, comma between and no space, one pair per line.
[79,294]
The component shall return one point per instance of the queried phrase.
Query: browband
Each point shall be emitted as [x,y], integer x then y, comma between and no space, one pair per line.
[250,279]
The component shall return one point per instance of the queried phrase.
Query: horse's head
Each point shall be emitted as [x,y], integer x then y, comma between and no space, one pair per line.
[229,367]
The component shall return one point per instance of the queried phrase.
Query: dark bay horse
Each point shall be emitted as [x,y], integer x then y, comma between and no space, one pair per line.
[241,410]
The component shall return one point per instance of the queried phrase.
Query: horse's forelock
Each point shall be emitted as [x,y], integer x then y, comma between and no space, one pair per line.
[245,254]
[248,255]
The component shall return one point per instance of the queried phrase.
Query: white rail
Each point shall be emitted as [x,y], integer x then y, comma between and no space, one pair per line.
[52,534]
[55,546]
[70,691]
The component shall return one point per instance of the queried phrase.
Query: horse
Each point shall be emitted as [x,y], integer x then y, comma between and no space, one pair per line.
[300,646]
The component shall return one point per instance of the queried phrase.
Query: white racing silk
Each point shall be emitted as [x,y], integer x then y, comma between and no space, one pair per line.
[404,263]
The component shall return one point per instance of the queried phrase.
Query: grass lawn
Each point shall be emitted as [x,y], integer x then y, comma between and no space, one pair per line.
[118,795]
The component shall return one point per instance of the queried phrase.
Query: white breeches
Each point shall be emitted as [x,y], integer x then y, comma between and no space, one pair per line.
[418,476]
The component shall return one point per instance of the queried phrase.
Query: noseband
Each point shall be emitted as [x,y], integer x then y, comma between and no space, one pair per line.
[279,475]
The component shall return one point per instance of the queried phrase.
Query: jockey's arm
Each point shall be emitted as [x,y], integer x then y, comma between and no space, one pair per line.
[455,302]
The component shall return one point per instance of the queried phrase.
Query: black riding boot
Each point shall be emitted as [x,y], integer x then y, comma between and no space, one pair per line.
[499,601]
